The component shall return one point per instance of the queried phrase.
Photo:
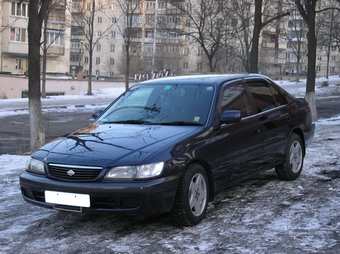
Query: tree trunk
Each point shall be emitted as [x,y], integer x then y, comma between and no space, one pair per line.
[127,69]
[89,81]
[44,65]
[311,71]
[254,52]
[35,115]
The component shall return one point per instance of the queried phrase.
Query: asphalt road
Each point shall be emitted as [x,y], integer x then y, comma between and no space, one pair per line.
[15,131]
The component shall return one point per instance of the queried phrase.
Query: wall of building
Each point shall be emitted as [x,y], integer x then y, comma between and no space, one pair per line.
[14,87]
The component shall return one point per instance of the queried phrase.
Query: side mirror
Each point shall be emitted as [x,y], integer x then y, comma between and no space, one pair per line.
[96,113]
[230,116]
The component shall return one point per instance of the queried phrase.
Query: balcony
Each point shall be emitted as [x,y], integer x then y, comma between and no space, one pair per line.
[272,45]
[77,51]
[56,25]
[56,50]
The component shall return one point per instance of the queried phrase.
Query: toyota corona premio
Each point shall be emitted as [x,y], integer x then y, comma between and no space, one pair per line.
[170,144]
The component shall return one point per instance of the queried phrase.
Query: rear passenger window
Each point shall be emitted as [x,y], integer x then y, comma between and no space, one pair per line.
[235,97]
[279,98]
[262,96]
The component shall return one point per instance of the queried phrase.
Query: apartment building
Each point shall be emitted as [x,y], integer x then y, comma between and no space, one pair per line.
[156,44]
[14,38]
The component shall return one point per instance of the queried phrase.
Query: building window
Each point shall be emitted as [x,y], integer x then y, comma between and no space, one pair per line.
[99,47]
[113,34]
[150,5]
[113,47]
[100,20]
[86,59]
[148,63]
[112,73]
[18,64]
[162,5]
[199,67]
[148,48]
[75,44]
[150,19]
[18,34]
[333,58]
[185,66]
[99,33]
[97,60]
[112,61]
[318,58]
[136,19]
[18,9]
[113,20]
[173,49]
[186,51]
[332,69]
[55,38]
[75,58]
[318,68]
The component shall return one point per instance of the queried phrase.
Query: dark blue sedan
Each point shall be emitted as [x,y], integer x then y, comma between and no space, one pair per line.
[169,144]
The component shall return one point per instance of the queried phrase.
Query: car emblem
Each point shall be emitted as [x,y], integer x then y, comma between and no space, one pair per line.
[71,172]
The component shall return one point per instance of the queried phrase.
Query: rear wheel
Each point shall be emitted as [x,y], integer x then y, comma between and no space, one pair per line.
[292,165]
[192,196]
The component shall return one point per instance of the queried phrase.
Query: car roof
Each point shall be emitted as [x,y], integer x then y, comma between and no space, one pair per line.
[207,79]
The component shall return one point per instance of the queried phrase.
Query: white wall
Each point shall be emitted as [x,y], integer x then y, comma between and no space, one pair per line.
[12,87]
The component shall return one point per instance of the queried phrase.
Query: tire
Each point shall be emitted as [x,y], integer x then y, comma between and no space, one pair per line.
[292,164]
[192,196]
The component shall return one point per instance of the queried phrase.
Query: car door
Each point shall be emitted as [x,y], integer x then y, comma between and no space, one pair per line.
[236,149]
[274,118]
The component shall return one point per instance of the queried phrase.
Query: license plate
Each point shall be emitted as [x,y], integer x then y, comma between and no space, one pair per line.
[65,198]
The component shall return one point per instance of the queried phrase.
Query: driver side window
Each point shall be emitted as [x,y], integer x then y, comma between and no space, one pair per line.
[235,97]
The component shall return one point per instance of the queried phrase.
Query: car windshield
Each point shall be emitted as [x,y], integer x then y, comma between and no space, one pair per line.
[161,104]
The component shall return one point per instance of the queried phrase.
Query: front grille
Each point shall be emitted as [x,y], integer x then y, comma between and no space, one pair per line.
[73,173]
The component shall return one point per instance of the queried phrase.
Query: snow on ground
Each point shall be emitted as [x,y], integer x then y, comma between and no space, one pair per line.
[260,215]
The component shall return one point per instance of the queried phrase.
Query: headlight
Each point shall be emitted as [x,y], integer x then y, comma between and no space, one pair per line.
[140,171]
[35,166]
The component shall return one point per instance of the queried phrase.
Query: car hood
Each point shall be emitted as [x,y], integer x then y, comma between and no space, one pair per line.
[115,144]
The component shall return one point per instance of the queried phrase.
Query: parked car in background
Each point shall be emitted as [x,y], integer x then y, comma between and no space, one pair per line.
[170,144]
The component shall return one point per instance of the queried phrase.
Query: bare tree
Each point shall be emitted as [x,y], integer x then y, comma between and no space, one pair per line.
[307,9]
[205,22]
[84,14]
[327,31]
[59,8]
[37,12]
[264,15]
[242,16]
[296,35]
[128,27]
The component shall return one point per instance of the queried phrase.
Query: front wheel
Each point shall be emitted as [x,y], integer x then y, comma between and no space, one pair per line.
[292,164]
[192,196]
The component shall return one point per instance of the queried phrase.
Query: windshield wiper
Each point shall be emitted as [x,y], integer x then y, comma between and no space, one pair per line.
[127,122]
[181,123]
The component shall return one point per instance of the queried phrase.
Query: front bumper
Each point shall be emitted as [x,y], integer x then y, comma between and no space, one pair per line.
[149,196]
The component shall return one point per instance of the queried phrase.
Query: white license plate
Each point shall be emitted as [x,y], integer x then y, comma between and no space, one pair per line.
[65,198]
